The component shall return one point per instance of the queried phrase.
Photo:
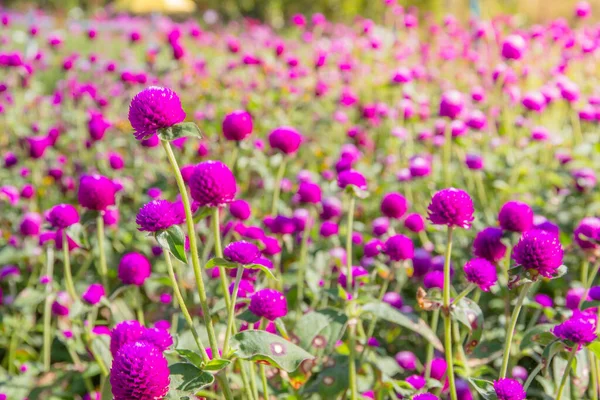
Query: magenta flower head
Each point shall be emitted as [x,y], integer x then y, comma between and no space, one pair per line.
[393,299]
[482,273]
[96,192]
[583,9]
[425,396]
[133,269]
[513,47]
[540,251]
[93,294]
[393,205]
[139,371]
[488,244]
[587,233]
[451,207]
[62,216]
[352,177]
[123,333]
[309,192]
[160,338]
[406,360]
[579,329]
[285,139]
[414,222]
[515,216]
[152,109]
[268,303]
[237,125]
[240,209]
[241,252]
[451,104]
[509,389]
[156,216]
[212,184]
[399,247]
[30,224]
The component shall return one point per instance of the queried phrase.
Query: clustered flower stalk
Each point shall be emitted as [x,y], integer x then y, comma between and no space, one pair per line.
[67,266]
[103,269]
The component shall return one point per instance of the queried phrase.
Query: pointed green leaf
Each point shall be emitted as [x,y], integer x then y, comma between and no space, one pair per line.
[484,387]
[321,328]
[179,130]
[220,262]
[468,313]
[248,316]
[186,380]
[191,356]
[216,364]
[173,241]
[262,268]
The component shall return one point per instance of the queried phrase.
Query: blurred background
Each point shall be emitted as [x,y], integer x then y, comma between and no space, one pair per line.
[277,11]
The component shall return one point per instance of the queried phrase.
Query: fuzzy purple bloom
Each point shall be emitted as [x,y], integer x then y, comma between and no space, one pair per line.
[212,184]
[237,125]
[540,251]
[580,328]
[393,205]
[240,209]
[587,233]
[425,396]
[156,216]
[62,216]
[406,360]
[452,207]
[241,252]
[268,303]
[309,192]
[154,108]
[482,273]
[515,216]
[509,389]
[393,299]
[124,332]
[94,293]
[399,247]
[488,244]
[351,177]
[133,269]
[285,139]
[96,192]
[31,224]
[160,338]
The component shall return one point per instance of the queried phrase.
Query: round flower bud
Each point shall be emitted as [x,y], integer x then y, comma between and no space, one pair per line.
[156,216]
[540,251]
[414,223]
[237,125]
[268,303]
[399,247]
[62,216]
[96,192]
[587,233]
[393,205]
[513,47]
[515,216]
[285,139]
[482,273]
[509,389]
[452,207]
[309,192]
[212,184]
[352,177]
[93,294]
[154,108]
[488,244]
[133,269]
[406,360]
[241,252]
[580,328]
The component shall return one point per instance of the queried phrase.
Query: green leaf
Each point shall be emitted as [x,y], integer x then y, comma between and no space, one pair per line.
[468,313]
[262,268]
[332,380]
[173,240]
[106,390]
[388,313]
[595,348]
[248,316]
[220,262]
[539,334]
[202,213]
[191,356]
[560,272]
[29,299]
[263,346]
[320,328]
[101,347]
[550,351]
[186,380]
[179,130]
[216,364]
[484,387]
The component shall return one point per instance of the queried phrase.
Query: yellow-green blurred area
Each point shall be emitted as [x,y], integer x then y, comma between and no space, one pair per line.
[275,11]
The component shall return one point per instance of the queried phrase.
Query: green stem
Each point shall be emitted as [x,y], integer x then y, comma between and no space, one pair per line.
[510,331]
[277,188]
[245,381]
[253,380]
[447,155]
[103,270]
[67,263]
[567,373]
[139,306]
[435,318]
[447,317]
[219,253]
[302,266]
[464,293]
[588,284]
[183,307]
[265,384]
[352,362]
[48,308]
[585,266]
[532,376]
[193,247]
[349,245]
[594,375]
[231,315]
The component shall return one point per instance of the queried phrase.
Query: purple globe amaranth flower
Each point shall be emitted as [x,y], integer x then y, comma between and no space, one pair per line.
[285,139]
[93,293]
[434,279]
[245,289]
[515,216]
[463,391]
[373,247]
[585,179]
[406,360]
[540,251]
[393,299]
[595,293]
[509,389]
[160,338]
[451,104]
[332,208]
[268,303]
[451,207]
[351,177]
[139,372]
[488,244]
[134,268]
[416,381]
[124,332]
[513,47]
[241,252]
[474,161]
[62,216]
[357,272]
[154,108]
[583,9]
[31,224]
[414,223]
[309,192]
[481,272]
[587,233]
[425,396]
[399,247]
[328,229]
[573,298]
[237,125]
[544,300]
[519,373]
[156,216]
[96,192]
[212,184]
[240,209]
[579,329]
[438,368]
[393,205]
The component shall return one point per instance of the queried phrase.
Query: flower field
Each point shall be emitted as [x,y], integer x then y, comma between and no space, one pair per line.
[399,208]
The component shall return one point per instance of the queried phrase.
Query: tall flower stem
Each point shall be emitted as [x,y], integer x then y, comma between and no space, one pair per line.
[447,155]
[302,266]
[216,230]
[352,326]
[567,372]
[464,293]
[263,373]
[435,318]
[588,283]
[194,251]
[231,315]
[48,309]
[277,188]
[448,319]
[67,265]
[510,330]
[103,269]
[183,307]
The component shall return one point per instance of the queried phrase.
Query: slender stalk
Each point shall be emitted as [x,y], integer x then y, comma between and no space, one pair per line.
[352,362]
[510,331]
[447,155]
[103,269]
[139,306]
[253,385]
[277,188]
[588,283]
[231,314]
[48,308]
[67,263]
[567,373]
[302,266]
[532,376]
[349,245]
[183,307]
[448,319]
[435,318]
[265,384]
[594,375]
[193,248]
[216,230]
[464,293]
[91,321]
[245,381]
